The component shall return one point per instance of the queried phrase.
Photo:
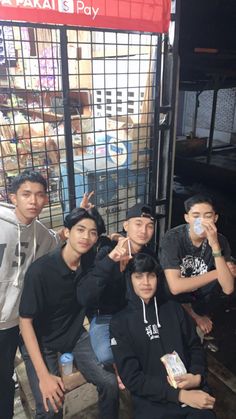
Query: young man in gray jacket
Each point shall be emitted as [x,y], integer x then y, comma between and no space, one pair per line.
[23,239]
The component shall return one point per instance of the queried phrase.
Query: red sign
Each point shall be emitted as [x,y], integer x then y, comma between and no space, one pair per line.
[134,15]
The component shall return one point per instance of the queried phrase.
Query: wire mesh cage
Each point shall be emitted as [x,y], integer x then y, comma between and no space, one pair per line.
[83,108]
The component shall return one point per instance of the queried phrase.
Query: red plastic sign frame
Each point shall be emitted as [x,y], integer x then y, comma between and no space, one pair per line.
[133,15]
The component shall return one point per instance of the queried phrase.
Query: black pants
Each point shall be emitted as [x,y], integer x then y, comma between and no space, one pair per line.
[143,408]
[206,300]
[8,345]
[92,370]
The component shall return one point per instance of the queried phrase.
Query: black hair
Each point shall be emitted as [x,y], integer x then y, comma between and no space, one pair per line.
[78,214]
[199,199]
[142,262]
[27,176]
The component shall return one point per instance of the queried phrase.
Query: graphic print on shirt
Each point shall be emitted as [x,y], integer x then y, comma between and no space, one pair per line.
[152,331]
[18,254]
[192,266]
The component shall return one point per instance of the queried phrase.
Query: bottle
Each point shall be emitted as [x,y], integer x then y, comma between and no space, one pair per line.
[66,361]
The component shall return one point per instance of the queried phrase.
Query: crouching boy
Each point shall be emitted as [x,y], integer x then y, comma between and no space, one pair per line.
[146,330]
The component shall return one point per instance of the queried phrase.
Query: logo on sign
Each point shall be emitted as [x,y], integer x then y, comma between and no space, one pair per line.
[66,6]
[117,152]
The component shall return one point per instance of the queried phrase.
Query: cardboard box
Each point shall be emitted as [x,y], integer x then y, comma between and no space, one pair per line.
[123,127]
[74,380]
[80,402]
[81,124]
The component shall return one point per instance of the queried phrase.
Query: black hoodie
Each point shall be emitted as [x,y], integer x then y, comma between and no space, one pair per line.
[103,289]
[140,334]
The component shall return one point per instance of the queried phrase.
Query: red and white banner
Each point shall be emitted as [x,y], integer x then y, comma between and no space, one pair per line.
[134,15]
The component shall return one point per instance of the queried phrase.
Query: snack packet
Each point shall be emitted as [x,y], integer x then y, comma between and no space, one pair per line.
[174,366]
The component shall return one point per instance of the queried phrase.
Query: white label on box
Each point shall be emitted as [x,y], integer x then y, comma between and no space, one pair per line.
[117,152]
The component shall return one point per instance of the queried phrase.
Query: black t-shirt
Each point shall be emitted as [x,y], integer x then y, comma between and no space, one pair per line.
[49,298]
[178,252]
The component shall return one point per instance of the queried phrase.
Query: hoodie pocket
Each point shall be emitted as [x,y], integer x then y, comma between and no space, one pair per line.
[9,301]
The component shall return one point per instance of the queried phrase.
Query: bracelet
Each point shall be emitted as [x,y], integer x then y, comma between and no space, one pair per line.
[217,254]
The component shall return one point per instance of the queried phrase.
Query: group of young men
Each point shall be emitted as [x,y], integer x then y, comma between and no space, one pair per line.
[48,287]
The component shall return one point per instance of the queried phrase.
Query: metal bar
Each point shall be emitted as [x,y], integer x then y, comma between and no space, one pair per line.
[55,26]
[195,114]
[212,126]
[173,122]
[67,119]
[155,134]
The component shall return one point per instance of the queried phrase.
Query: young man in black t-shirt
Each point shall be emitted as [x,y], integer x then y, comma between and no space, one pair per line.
[51,319]
[196,261]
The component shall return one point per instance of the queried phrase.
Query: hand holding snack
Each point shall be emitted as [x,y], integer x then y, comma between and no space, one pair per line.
[174,367]
[188,381]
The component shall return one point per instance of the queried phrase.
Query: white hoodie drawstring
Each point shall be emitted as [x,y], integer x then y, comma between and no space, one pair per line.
[144,312]
[16,280]
[156,309]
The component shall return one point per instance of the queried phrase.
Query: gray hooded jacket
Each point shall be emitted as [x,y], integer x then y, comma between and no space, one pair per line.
[20,245]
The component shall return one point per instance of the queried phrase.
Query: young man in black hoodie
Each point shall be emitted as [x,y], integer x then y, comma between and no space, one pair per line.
[104,293]
[141,334]
[51,319]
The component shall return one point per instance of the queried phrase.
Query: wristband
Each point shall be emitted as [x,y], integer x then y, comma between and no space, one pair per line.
[217,254]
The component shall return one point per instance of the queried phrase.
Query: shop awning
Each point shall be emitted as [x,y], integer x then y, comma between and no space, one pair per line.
[134,15]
